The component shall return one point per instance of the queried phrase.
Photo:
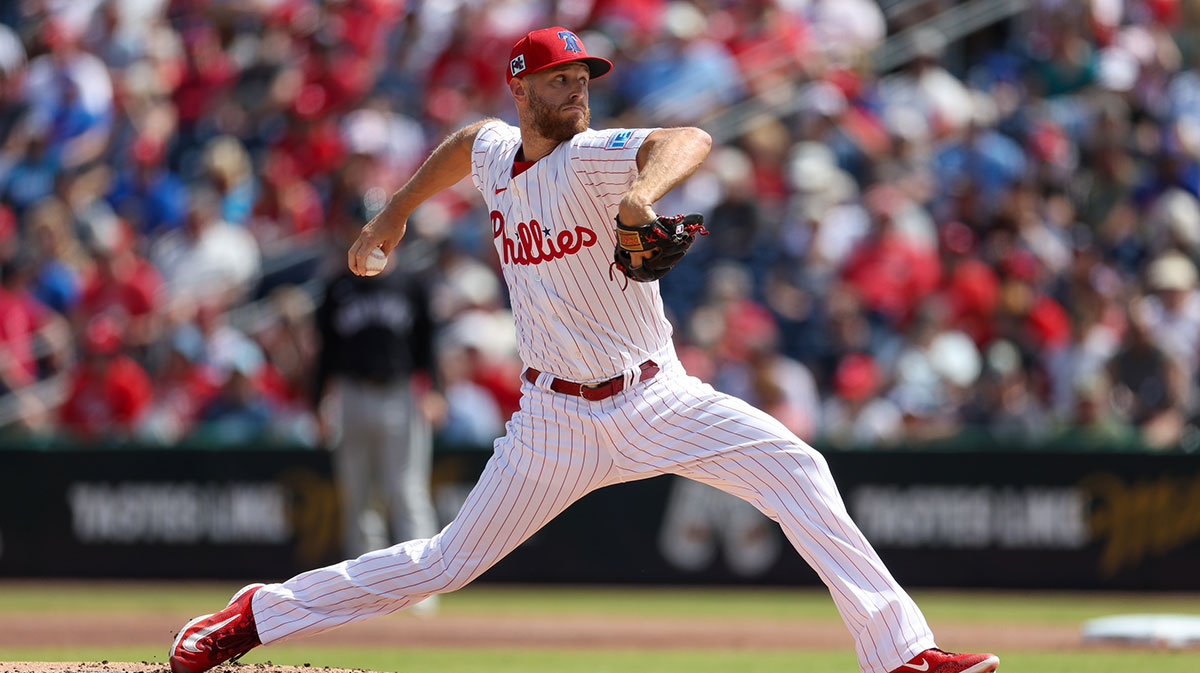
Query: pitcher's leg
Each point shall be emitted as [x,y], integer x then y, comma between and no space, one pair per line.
[725,442]
[538,469]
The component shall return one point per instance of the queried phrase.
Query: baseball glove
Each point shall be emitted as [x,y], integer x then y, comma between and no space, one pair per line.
[667,237]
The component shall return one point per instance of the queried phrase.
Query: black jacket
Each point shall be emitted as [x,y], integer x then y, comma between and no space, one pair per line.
[376,329]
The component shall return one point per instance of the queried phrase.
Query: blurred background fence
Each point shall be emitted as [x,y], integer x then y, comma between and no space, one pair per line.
[955,515]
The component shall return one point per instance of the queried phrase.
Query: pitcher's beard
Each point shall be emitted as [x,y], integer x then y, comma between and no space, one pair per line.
[549,124]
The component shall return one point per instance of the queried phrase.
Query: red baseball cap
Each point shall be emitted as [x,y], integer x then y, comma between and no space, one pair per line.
[547,47]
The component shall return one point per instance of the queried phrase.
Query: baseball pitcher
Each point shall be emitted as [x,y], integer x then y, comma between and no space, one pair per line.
[605,398]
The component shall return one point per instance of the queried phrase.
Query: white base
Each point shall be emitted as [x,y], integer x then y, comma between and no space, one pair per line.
[1175,631]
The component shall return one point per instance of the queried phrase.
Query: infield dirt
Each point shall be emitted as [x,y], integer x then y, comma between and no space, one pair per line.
[401,630]
[67,631]
[154,630]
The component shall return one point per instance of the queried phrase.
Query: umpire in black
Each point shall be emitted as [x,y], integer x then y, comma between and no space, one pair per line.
[376,374]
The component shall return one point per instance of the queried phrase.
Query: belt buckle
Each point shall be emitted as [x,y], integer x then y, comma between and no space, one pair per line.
[589,386]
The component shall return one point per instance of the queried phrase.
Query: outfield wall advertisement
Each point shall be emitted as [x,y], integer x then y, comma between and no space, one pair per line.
[990,519]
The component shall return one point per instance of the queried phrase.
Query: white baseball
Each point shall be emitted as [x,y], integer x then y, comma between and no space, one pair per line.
[375,262]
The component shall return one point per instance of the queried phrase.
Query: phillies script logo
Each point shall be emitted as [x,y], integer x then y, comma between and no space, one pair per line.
[532,248]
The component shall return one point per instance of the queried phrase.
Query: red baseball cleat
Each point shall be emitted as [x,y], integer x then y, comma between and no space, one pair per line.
[214,639]
[937,661]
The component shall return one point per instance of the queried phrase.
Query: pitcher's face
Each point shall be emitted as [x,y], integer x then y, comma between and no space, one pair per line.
[558,101]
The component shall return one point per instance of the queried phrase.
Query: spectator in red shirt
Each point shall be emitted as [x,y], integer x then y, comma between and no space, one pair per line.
[184,385]
[770,43]
[25,325]
[209,73]
[109,391]
[124,283]
[289,206]
[889,269]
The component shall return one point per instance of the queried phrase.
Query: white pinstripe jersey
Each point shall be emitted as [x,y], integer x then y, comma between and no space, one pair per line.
[553,227]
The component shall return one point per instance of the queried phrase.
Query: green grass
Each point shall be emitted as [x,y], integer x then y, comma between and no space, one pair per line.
[1047,608]
[504,660]
[81,596]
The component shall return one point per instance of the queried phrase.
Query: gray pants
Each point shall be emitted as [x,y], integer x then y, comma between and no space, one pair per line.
[384,453]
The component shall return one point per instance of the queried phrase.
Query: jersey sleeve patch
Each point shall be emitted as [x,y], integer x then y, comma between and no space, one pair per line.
[619,140]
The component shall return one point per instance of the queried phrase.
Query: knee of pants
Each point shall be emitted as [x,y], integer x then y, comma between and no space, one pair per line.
[807,473]
[811,462]
[456,577]
[449,570]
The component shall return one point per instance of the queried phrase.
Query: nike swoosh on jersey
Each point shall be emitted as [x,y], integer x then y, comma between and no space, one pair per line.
[190,642]
[923,667]
[500,189]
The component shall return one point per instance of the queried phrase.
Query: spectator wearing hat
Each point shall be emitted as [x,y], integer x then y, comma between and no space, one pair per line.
[207,259]
[890,269]
[1172,311]
[109,392]
[824,220]
[1149,384]
[1174,221]
[857,414]
[227,166]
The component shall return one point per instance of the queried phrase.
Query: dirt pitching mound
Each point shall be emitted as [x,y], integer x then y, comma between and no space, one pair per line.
[147,667]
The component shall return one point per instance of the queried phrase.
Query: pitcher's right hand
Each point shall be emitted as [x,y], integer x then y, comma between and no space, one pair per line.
[381,232]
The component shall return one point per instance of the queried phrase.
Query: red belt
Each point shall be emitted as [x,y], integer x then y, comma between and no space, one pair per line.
[594,392]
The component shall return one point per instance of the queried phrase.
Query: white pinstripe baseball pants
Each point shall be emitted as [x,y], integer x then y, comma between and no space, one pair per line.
[559,448]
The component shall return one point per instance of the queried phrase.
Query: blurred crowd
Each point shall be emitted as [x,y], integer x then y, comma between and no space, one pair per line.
[996,238]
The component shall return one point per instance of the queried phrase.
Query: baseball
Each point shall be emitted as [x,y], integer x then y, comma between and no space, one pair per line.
[375,262]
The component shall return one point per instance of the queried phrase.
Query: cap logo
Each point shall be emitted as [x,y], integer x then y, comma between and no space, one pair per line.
[517,65]
[570,42]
